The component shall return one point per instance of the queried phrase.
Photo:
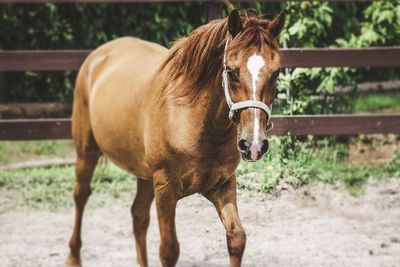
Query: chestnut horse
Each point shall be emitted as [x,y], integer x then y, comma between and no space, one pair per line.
[163,116]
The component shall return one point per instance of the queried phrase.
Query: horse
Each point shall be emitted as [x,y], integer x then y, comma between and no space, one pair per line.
[178,119]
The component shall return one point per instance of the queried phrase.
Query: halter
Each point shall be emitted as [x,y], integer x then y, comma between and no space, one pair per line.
[233,107]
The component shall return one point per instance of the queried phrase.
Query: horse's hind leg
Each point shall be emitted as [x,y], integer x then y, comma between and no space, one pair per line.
[88,154]
[84,171]
[141,217]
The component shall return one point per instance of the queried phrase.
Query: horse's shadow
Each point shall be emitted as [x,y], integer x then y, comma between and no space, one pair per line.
[200,264]
[205,264]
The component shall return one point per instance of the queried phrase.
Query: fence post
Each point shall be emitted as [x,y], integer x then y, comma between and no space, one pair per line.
[213,11]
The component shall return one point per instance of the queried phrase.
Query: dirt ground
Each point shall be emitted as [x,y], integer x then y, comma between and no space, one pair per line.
[312,226]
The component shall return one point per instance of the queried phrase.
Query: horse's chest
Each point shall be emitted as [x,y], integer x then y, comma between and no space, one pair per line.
[205,175]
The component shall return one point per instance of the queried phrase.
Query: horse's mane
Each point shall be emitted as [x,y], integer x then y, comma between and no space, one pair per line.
[195,61]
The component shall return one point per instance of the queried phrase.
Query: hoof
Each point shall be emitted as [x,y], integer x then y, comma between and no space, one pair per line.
[73,261]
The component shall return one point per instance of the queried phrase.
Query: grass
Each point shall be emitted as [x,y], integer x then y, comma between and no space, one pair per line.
[308,162]
[12,152]
[51,188]
[378,102]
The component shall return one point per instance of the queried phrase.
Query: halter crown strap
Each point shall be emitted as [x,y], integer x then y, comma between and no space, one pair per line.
[233,107]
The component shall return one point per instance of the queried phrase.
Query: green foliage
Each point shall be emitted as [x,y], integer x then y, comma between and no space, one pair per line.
[324,24]
[307,23]
[86,26]
[382,25]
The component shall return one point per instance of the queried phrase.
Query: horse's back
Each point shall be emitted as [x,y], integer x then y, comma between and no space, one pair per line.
[127,61]
[117,78]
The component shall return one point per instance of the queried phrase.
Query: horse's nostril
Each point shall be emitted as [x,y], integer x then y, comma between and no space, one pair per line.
[265,146]
[242,144]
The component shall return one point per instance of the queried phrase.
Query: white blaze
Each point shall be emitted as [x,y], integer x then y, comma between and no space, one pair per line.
[254,65]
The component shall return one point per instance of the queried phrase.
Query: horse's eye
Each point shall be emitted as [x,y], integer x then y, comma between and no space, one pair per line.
[233,75]
[274,77]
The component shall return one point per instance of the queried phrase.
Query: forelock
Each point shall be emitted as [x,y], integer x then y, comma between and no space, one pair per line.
[253,34]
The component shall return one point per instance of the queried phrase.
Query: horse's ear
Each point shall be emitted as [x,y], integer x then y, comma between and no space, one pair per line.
[234,23]
[275,27]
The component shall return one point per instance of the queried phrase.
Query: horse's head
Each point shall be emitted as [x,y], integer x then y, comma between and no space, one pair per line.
[251,69]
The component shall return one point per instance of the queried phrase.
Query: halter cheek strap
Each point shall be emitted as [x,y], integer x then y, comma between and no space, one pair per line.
[233,107]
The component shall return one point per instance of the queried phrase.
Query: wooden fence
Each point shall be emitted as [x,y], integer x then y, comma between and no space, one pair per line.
[59,60]
[24,60]
[39,129]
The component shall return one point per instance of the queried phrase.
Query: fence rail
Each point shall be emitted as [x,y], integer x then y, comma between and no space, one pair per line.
[40,60]
[41,129]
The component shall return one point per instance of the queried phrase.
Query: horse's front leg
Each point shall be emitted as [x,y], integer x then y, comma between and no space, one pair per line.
[141,218]
[166,198]
[224,200]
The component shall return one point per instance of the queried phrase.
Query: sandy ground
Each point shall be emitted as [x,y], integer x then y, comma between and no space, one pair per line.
[312,226]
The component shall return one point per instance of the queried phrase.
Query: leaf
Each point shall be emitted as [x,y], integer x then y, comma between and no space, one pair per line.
[315,72]
[281,96]
[385,15]
[397,10]
[298,72]
[296,28]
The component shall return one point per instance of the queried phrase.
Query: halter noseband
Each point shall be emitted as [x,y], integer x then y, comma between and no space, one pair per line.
[233,107]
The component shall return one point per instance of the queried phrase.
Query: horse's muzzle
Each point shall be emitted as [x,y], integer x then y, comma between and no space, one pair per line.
[252,151]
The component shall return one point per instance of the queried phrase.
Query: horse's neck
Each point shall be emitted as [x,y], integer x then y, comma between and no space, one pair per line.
[206,113]
[215,112]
